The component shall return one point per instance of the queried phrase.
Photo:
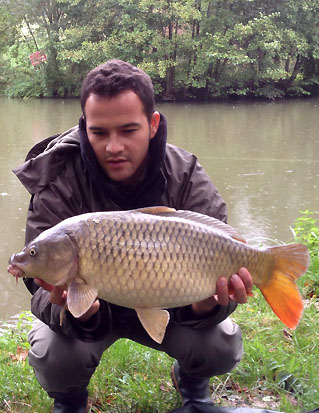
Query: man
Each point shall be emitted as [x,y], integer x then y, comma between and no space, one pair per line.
[118,158]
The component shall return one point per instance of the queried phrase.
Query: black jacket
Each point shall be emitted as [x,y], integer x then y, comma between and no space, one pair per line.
[64,179]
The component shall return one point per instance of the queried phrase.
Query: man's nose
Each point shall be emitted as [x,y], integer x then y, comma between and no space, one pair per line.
[114,145]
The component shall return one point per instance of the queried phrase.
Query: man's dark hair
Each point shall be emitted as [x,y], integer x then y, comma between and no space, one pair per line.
[116,76]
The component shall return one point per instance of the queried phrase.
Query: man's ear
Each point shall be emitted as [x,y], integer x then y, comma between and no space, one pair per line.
[155,120]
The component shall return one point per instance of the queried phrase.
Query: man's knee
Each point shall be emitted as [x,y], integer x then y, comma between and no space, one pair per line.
[224,349]
[216,351]
[60,362]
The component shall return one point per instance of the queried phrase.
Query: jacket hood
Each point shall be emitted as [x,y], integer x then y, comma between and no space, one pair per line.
[47,158]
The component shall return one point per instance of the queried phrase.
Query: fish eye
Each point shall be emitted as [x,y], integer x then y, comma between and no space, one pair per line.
[32,251]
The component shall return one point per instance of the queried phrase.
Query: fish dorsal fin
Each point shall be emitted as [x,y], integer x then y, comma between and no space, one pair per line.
[155,321]
[80,297]
[195,217]
[205,220]
[155,210]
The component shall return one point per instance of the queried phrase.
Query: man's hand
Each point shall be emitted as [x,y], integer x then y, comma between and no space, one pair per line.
[58,296]
[238,289]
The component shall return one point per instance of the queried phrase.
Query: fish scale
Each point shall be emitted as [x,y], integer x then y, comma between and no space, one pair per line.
[157,258]
[196,253]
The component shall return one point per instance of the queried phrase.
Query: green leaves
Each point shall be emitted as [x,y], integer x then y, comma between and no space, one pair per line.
[192,48]
[306,231]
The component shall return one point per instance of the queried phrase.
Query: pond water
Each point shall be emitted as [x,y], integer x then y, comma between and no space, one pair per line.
[263,157]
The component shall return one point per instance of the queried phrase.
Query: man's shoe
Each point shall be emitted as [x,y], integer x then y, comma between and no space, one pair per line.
[68,407]
[73,401]
[65,408]
[192,390]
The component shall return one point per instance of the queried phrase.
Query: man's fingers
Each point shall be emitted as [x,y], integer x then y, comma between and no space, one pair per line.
[222,291]
[247,280]
[58,296]
[204,306]
[238,288]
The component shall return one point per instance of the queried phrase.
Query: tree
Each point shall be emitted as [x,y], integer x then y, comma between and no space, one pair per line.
[196,49]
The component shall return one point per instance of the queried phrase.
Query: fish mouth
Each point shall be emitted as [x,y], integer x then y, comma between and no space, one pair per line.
[14,269]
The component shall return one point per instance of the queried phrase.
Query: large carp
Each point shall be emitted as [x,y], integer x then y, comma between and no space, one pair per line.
[156,258]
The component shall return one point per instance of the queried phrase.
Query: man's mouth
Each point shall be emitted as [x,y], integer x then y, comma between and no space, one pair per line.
[116,162]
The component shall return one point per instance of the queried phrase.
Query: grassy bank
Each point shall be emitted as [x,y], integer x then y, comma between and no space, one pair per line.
[279,369]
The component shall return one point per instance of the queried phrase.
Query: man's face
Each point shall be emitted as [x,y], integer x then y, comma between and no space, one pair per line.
[119,133]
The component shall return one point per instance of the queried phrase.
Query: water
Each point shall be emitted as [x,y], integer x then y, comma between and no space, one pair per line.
[263,157]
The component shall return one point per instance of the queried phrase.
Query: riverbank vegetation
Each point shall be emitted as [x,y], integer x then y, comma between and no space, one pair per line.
[192,49]
[279,370]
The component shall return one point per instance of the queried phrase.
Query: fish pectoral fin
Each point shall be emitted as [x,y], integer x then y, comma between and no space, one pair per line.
[80,297]
[155,321]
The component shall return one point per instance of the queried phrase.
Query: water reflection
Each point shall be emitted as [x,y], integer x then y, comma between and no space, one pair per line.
[263,157]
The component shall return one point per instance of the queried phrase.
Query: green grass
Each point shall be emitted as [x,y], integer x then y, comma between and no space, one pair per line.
[279,369]
[130,378]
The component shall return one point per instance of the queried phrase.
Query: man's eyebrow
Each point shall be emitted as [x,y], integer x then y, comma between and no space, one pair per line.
[96,128]
[125,125]
[130,125]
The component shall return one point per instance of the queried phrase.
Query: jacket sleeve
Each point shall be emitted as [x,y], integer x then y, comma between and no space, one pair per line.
[201,195]
[189,187]
[47,208]
[50,314]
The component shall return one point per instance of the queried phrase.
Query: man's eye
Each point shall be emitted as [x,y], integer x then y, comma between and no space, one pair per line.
[129,131]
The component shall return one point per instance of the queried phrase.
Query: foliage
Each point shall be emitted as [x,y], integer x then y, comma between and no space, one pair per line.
[306,231]
[19,390]
[199,49]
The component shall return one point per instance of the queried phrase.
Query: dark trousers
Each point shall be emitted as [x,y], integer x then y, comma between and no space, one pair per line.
[65,365]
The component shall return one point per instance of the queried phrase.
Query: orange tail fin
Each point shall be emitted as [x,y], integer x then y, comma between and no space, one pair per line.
[281,291]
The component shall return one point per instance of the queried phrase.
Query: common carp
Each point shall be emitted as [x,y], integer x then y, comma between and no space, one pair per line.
[156,258]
